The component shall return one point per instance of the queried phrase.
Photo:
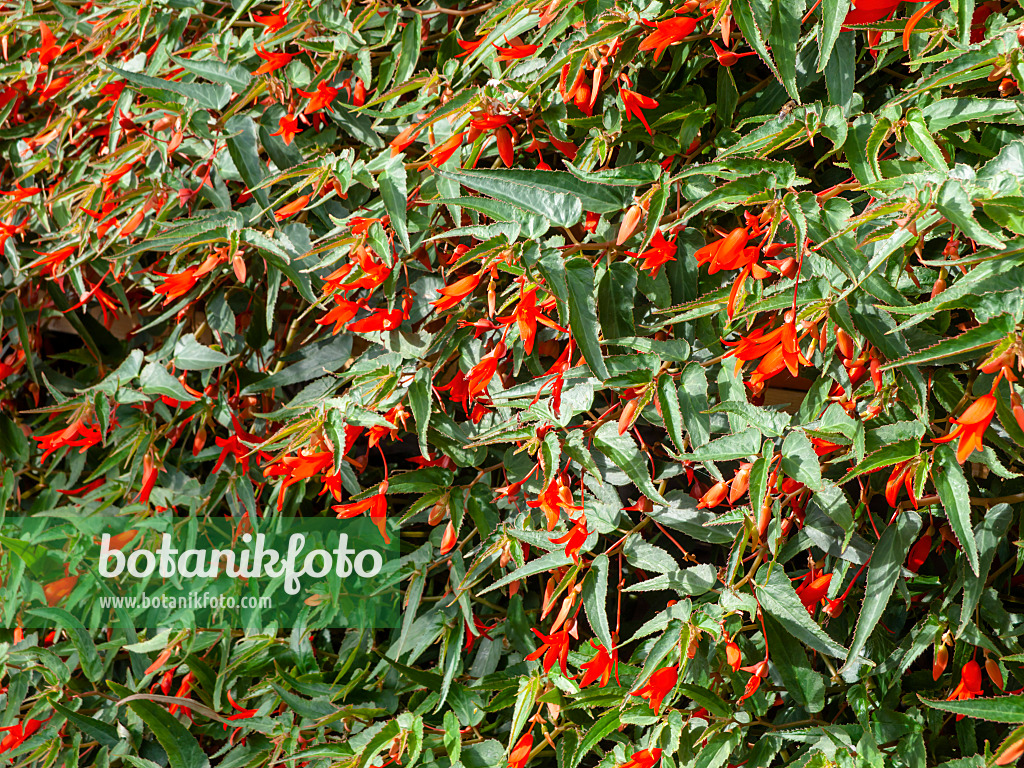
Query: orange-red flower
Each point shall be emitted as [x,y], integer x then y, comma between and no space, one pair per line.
[290,209]
[555,497]
[515,52]
[341,314]
[728,58]
[601,666]
[57,590]
[320,98]
[18,733]
[521,751]
[404,139]
[727,253]
[376,506]
[48,49]
[575,538]
[440,154]
[453,294]
[870,11]
[757,673]
[272,61]
[302,466]
[287,128]
[919,552]
[645,758]
[555,647]
[81,433]
[668,33]
[733,657]
[971,427]
[273,22]
[658,687]
[812,592]
[969,685]
[467,46]
[661,252]
[633,103]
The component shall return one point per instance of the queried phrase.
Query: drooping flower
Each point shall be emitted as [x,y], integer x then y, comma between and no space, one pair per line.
[439,155]
[81,433]
[521,751]
[515,52]
[634,103]
[969,685]
[728,58]
[57,590]
[601,666]
[453,294]
[555,647]
[376,505]
[272,61]
[661,252]
[733,657]
[18,733]
[812,592]
[658,687]
[666,33]
[971,426]
[320,98]
[344,311]
[273,22]
[645,758]
[555,497]
[757,673]
[574,538]
[302,466]
[287,128]
[290,209]
[726,253]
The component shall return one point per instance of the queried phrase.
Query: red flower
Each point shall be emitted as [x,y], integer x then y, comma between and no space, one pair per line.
[288,128]
[272,61]
[302,466]
[645,758]
[727,253]
[733,657]
[379,320]
[633,102]
[658,687]
[555,648]
[467,46]
[150,471]
[48,49]
[757,673]
[715,496]
[574,539]
[480,375]
[273,22]
[661,252]
[57,590]
[971,427]
[320,98]
[728,58]
[81,433]
[555,497]
[453,294]
[376,505]
[440,154]
[176,285]
[668,33]
[18,733]
[514,52]
[341,314]
[813,591]
[404,139]
[601,666]
[919,552]
[290,209]
[969,685]
[521,751]
[870,11]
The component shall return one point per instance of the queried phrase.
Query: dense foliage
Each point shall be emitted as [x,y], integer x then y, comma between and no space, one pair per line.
[682,343]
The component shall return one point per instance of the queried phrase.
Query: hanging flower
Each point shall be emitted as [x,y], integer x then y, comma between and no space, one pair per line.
[658,687]
[600,667]
[971,426]
[555,647]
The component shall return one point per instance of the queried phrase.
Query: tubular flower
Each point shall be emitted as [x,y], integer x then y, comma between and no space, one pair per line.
[320,98]
[272,61]
[661,252]
[902,474]
[658,687]
[757,673]
[376,506]
[452,295]
[971,427]
[727,253]
[57,590]
[287,128]
[601,666]
[645,758]
[81,433]
[555,497]
[715,496]
[302,466]
[520,754]
[404,139]
[969,685]
[555,647]
[440,154]
[732,655]
[340,315]
[812,592]
[668,33]
[273,22]
[920,551]
[574,538]
[633,103]
[515,52]
[18,733]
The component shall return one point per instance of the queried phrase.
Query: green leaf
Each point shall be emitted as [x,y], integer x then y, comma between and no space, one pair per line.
[988,534]
[409,53]
[832,12]
[799,461]
[80,638]
[953,202]
[594,734]
[183,751]
[693,400]
[951,486]
[626,456]
[918,135]
[595,598]
[806,686]
[394,191]
[204,96]
[776,595]
[419,403]
[579,275]
[533,191]
[234,75]
[785,41]
[104,733]
[735,445]
[967,343]
[743,13]
[155,380]
[190,355]
[997,709]
[887,560]
[526,696]
[671,412]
